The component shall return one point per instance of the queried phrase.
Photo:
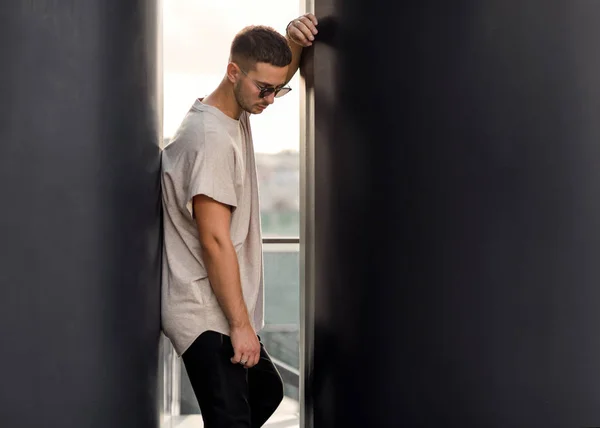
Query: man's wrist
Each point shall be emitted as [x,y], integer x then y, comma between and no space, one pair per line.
[288,36]
[238,324]
[287,29]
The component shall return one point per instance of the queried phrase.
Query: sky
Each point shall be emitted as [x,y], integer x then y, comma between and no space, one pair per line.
[197,35]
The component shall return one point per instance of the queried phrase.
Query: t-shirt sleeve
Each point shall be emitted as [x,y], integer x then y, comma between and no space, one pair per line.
[211,167]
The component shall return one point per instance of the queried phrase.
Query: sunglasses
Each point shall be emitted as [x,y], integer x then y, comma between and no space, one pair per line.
[265,91]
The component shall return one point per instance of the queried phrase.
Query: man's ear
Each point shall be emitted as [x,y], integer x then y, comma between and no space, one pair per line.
[233,72]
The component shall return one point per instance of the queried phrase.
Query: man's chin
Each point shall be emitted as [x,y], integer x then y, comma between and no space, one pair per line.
[256,109]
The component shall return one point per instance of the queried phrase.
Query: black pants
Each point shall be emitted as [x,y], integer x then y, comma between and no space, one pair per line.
[229,395]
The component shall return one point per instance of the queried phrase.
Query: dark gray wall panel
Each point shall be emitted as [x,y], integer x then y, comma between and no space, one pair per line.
[79,224]
[457,214]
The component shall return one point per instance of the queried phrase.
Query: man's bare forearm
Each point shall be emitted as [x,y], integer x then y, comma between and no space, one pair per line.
[224,276]
[296,57]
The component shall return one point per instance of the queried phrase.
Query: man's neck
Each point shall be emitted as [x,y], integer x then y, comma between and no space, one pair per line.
[224,99]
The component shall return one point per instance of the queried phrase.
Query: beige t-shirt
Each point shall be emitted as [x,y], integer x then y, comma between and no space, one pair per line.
[210,154]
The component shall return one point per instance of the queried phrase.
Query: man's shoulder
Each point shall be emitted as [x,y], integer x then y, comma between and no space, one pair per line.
[199,131]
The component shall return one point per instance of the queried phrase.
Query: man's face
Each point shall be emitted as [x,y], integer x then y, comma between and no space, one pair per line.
[248,87]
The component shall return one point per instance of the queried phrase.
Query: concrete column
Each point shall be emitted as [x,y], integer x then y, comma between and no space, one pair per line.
[80,216]
[454,163]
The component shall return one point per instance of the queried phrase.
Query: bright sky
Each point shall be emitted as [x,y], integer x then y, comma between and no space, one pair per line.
[197,37]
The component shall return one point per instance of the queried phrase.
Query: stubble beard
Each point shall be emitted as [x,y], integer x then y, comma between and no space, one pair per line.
[240,99]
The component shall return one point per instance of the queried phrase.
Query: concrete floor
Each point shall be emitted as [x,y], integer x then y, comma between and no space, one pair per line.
[286,416]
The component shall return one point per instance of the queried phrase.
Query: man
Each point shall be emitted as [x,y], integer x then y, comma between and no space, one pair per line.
[212,291]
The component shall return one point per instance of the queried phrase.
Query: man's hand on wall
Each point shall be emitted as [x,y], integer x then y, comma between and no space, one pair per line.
[303,30]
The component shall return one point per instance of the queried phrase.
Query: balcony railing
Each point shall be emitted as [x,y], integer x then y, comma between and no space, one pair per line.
[282,339]
[281,240]
[289,373]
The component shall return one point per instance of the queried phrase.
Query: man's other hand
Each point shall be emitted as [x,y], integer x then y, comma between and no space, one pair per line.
[246,346]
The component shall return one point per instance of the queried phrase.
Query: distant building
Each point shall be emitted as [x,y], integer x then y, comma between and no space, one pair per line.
[279,184]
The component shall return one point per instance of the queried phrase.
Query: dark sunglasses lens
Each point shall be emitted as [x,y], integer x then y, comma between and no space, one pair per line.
[282,92]
[266,92]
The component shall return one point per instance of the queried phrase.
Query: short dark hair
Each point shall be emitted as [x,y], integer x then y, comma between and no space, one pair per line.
[258,43]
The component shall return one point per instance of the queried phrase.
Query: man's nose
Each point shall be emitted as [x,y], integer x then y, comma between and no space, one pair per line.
[270,98]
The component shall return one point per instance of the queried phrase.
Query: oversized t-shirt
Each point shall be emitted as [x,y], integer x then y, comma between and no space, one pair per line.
[210,154]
